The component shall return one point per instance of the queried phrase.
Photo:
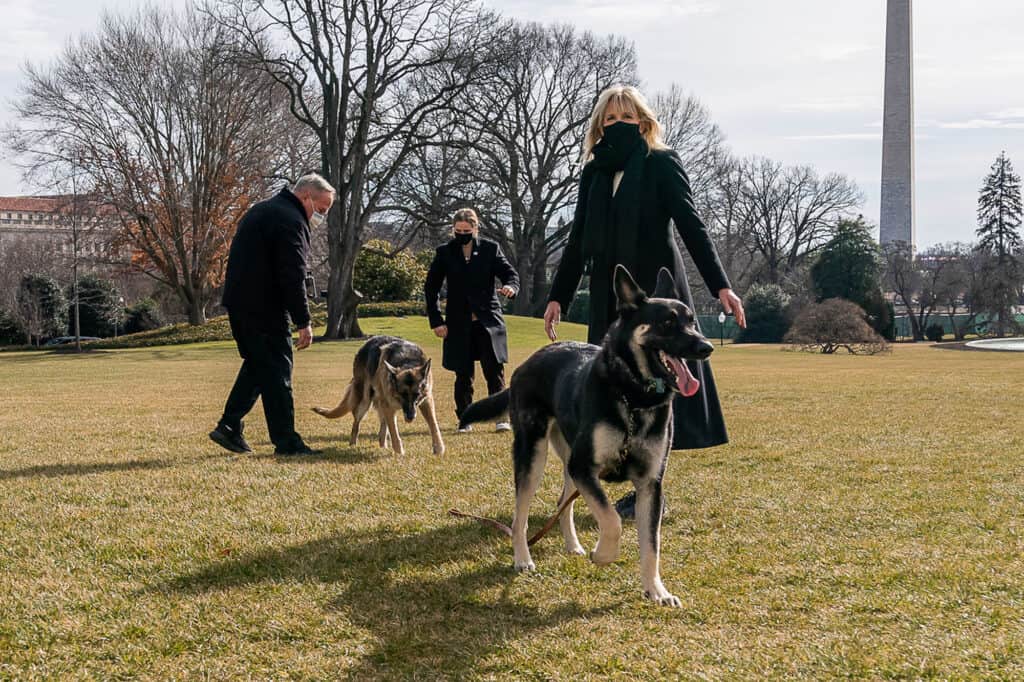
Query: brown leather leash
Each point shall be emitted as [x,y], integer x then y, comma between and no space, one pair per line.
[502,528]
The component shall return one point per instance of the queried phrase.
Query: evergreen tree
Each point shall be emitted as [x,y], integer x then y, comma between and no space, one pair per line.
[99,307]
[42,307]
[999,217]
[850,267]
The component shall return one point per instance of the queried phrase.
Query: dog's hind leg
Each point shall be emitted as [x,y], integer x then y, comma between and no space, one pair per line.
[529,454]
[430,416]
[648,526]
[360,410]
[566,522]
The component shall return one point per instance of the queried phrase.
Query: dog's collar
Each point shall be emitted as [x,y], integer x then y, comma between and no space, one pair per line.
[655,385]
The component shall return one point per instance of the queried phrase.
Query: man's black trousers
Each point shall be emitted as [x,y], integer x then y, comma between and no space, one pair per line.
[266,372]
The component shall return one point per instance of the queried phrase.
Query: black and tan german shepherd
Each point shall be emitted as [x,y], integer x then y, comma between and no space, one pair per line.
[392,375]
[607,411]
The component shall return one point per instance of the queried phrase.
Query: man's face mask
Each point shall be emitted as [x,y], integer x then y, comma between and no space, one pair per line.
[317,219]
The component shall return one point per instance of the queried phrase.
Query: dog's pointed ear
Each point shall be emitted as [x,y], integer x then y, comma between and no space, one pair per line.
[391,368]
[627,291]
[426,367]
[666,287]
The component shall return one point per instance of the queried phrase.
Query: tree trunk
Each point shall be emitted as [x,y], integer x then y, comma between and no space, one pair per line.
[342,299]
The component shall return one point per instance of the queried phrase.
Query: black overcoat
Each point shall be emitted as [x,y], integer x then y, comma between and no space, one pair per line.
[470,291]
[265,281]
[665,198]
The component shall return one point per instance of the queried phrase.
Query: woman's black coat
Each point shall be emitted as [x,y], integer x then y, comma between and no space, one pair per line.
[470,290]
[665,196]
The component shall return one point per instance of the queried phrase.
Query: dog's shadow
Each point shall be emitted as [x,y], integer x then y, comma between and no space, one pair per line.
[437,617]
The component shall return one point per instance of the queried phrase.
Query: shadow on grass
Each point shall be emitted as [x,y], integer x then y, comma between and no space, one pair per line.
[341,455]
[422,616]
[57,470]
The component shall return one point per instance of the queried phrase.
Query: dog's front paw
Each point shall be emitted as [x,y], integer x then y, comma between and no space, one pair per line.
[577,550]
[524,566]
[439,448]
[602,555]
[663,598]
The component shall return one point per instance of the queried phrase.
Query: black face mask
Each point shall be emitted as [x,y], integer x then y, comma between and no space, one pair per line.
[463,239]
[616,144]
[621,135]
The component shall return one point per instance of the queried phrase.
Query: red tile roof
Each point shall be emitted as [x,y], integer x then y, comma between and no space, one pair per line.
[45,204]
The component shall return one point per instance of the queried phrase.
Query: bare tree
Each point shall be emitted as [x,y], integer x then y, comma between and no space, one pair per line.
[690,131]
[169,132]
[917,283]
[346,65]
[792,212]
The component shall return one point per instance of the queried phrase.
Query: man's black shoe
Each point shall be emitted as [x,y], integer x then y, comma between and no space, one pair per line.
[297,451]
[229,439]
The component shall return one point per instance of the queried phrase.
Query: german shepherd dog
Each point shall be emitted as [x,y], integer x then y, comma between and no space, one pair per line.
[393,375]
[607,410]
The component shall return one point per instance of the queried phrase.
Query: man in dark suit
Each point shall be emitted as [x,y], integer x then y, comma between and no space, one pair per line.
[265,284]
[472,327]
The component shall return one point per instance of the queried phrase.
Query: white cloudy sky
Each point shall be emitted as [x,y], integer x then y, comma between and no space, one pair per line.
[795,80]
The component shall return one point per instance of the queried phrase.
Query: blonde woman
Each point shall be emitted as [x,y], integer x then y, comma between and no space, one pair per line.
[472,326]
[631,186]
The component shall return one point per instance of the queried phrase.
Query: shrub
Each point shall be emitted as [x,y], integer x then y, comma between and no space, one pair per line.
[98,308]
[42,308]
[934,332]
[392,309]
[379,277]
[833,324]
[143,316]
[765,305]
[11,331]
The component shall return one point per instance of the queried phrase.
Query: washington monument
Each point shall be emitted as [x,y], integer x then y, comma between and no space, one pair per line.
[896,223]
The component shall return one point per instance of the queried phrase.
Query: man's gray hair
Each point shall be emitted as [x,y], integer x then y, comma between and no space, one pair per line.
[314,182]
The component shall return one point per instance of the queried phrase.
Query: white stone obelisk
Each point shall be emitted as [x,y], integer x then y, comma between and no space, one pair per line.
[896,222]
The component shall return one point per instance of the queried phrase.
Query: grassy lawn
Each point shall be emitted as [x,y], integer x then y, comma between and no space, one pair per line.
[865,521]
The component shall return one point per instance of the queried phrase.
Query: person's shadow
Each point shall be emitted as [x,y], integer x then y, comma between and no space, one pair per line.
[442,620]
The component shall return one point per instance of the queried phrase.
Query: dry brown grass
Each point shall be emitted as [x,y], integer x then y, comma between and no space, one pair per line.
[864,522]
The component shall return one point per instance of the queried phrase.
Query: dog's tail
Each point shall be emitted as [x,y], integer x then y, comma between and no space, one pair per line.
[344,407]
[491,407]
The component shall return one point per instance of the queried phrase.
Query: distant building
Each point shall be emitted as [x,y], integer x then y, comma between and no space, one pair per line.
[49,221]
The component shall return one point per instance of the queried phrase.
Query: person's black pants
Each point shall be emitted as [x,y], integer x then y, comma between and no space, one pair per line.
[266,372]
[494,371]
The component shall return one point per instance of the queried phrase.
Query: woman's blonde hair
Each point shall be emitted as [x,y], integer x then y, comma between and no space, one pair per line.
[466,215]
[627,98]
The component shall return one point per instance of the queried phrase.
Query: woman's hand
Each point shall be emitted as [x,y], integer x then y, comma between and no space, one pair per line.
[552,316]
[731,303]
[441,332]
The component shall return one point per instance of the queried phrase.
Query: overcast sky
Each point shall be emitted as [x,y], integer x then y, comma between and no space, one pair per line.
[799,81]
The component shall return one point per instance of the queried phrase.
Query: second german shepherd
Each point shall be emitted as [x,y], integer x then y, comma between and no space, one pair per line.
[607,411]
[393,375]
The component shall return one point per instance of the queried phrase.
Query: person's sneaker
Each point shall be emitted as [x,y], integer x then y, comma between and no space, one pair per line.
[502,426]
[464,429]
[229,439]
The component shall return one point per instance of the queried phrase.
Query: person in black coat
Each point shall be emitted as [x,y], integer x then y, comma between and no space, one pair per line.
[472,327]
[264,286]
[631,187]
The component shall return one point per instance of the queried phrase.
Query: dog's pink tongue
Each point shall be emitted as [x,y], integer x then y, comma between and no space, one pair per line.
[685,381]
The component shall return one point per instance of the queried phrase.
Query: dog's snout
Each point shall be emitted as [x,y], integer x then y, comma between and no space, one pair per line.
[704,348]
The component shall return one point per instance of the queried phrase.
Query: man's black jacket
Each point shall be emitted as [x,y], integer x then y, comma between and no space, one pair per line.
[266,273]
